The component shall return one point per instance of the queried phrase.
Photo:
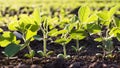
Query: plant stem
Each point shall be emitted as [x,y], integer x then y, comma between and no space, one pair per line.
[77,44]
[64,50]
[29,48]
[44,43]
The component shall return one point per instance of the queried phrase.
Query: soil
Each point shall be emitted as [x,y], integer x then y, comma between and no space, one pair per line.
[85,59]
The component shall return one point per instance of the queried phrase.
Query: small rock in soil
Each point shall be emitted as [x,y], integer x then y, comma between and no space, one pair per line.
[98,65]
[36,66]
[113,66]
[23,66]
[59,63]
[77,65]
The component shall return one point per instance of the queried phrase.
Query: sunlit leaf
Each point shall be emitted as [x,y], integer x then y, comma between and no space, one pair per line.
[103,15]
[98,39]
[30,34]
[59,32]
[78,34]
[112,11]
[92,18]
[36,16]
[84,13]
[13,25]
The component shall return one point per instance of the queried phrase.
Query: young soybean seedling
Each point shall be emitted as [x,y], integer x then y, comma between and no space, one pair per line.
[63,40]
[44,29]
[11,44]
[111,31]
[81,31]
[28,26]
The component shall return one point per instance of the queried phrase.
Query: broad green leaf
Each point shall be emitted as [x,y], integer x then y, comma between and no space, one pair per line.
[78,34]
[62,40]
[84,13]
[30,34]
[26,19]
[36,16]
[114,31]
[51,33]
[12,26]
[7,38]
[103,15]
[92,18]
[98,39]
[117,21]
[93,28]
[59,32]
[4,43]
[112,11]
[34,28]
[11,50]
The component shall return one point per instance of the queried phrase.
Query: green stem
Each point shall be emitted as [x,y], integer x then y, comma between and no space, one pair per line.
[64,50]
[29,48]
[44,43]
[77,44]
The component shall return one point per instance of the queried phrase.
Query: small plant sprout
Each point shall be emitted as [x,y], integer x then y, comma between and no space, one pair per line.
[84,26]
[110,32]
[44,28]
[28,26]
[11,44]
[63,39]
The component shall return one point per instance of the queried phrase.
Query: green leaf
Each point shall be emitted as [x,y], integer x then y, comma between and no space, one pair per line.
[11,50]
[51,32]
[92,18]
[81,48]
[31,54]
[37,37]
[112,11]
[61,40]
[84,13]
[114,31]
[59,32]
[34,28]
[36,16]
[30,34]
[26,19]
[60,56]
[117,22]
[98,39]
[74,19]
[78,34]
[103,15]
[74,48]
[7,38]
[12,26]
[93,28]
[49,53]
[41,53]
[4,43]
